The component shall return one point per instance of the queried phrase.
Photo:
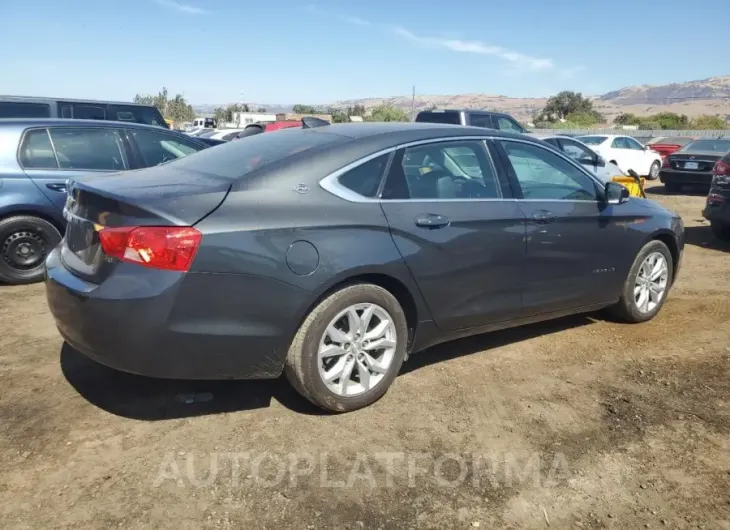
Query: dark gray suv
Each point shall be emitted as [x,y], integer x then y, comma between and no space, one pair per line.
[473,117]
[330,253]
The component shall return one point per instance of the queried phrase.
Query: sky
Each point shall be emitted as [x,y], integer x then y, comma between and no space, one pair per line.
[287,51]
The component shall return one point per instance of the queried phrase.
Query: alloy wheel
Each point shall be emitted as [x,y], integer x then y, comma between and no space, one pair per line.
[357,349]
[651,282]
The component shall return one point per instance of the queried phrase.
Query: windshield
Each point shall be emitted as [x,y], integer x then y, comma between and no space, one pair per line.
[233,160]
[439,116]
[707,146]
[592,140]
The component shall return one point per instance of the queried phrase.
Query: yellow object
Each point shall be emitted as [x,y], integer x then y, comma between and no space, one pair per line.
[629,182]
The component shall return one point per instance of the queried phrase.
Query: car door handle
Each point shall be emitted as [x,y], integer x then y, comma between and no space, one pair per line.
[543,217]
[57,187]
[432,221]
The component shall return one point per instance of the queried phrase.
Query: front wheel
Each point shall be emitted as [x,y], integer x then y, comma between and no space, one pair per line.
[647,284]
[654,170]
[721,230]
[349,349]
[25,241]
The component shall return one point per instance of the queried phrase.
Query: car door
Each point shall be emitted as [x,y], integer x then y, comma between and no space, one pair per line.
[573,238]
[460,235]
[50,156]
[622,153]
[642,158]
[153,147]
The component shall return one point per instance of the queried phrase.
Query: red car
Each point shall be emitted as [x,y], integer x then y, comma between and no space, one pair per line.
[666,145]
[256,128]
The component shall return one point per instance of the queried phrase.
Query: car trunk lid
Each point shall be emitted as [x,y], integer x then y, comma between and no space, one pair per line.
[159,196]
[703,162]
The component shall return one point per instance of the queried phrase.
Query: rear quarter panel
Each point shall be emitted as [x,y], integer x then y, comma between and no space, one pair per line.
[266,232]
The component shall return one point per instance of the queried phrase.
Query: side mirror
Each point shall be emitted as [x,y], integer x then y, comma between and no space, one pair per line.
[616,193]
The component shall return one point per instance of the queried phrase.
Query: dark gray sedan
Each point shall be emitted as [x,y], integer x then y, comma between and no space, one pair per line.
[330,253]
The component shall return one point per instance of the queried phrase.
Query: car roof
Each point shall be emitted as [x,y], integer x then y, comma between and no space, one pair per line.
[42,99]
[22,123]
[466,110]
[409,131]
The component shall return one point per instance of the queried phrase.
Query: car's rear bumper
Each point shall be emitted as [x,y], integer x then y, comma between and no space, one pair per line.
[187,326]
[672,176]
[718,212]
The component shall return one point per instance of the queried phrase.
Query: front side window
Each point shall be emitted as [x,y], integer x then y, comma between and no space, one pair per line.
[545,175]
[365,178]
[633,144]
[36,151]
[89,148]
[507,124]
[448,170]
[592,140]
[158,148]
[577,152]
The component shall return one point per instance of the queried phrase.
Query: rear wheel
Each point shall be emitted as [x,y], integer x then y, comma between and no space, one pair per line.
[349,349]
[721,230]
[25,241]
[647,284]
[672,187]
[654,171]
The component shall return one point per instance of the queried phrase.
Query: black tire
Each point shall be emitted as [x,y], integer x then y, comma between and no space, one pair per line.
[721,230]
[672,187]
[654,171]
[302,368]
[626,309]
[20,234]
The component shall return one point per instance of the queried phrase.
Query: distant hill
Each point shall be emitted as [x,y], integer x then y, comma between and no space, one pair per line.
[693,98]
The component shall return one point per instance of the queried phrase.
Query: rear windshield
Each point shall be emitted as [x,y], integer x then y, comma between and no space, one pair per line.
[591,140]
[18,109]
[431,116]
[233,160]
[707,146]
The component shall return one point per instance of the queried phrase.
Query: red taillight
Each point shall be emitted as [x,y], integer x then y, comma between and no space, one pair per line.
[721,168]
[169,248]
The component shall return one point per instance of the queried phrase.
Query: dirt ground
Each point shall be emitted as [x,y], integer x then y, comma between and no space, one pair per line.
[578,423]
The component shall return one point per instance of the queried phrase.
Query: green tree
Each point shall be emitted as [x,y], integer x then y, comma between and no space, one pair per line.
[356,110]
[626,119]
[304,109]
[564,103]
[261,109]
[176,109]
[388,113]
[584,119]
[708,122]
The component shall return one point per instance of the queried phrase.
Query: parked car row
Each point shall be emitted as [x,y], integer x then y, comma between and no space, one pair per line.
[38,157]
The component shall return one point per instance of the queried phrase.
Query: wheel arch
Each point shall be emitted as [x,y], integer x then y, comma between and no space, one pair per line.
[670,240]
[30,212]
[407,295]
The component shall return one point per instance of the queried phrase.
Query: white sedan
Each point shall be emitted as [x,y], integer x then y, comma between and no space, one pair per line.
[584,155]
[626,153]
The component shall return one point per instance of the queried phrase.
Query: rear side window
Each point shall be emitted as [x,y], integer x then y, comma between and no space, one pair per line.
[435,116]
[365,178]
[88,112]
[36,151]
[481,120]
[234,160]
[88,148]
[158,147]
[504,123]
[12,109]
[136,114]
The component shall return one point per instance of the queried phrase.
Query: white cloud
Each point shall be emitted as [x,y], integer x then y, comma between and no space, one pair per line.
[518,59]
[520,62]
[182,8]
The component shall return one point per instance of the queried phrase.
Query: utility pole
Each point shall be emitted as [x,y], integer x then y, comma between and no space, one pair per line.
[413,104]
